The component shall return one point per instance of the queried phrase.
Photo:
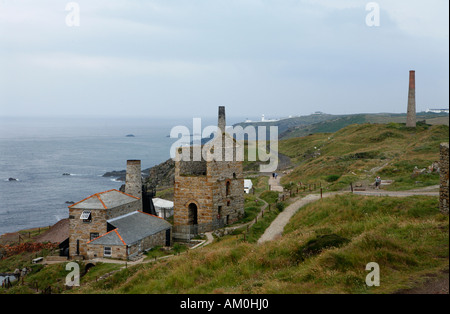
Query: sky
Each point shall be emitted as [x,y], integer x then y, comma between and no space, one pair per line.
[164,58]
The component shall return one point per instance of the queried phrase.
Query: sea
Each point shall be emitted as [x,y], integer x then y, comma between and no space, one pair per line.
[46,162]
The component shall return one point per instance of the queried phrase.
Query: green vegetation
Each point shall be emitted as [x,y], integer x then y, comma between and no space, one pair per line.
[258,229]
[360,152]
[325,246]
[331,124]
[270,197]
[325,249]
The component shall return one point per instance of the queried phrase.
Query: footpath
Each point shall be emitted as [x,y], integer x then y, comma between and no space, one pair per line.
[275,230]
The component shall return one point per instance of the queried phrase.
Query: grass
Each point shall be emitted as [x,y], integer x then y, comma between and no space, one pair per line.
[407,237]
[360,152]
[257,230]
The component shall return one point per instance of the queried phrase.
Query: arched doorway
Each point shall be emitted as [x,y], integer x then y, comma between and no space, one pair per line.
[192,214]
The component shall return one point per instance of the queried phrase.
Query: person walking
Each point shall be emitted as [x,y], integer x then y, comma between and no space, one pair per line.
[377,183]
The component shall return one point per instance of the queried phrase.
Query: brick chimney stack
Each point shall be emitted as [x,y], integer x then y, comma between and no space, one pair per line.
[222,122]
[133,179]
[411,113]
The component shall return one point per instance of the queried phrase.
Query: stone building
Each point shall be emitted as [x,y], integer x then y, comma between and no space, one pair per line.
[208,193]
[133,233]
[443,193]
[111,224]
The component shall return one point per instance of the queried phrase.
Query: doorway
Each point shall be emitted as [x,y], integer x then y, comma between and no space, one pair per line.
[192,214]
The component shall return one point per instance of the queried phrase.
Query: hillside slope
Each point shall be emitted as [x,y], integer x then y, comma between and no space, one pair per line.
[358,153]
[336,123]
[325,249]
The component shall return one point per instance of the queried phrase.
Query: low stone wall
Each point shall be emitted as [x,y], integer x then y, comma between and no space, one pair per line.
[443,194]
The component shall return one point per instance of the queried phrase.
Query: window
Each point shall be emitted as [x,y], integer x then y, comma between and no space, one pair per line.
[94,235]
[86,216]
[227,190]
[107,251]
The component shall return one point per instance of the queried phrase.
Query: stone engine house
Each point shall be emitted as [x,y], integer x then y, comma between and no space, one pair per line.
[208,194]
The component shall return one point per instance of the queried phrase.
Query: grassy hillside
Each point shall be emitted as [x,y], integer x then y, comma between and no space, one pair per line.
[407,237]
[358,153]
[338,122]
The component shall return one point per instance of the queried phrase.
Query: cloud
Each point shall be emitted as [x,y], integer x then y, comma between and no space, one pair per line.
[266,55]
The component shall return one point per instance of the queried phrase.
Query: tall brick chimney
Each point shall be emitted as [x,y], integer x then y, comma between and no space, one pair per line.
[411,113]
[222,122]
[133,179]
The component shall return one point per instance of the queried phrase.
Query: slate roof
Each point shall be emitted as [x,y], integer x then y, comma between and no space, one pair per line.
[131,228]
[105,200]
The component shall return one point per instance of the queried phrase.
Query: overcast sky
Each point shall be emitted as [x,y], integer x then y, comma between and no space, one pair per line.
[186,57]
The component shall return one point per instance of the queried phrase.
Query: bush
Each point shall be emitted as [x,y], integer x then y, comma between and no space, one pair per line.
[332,178]
[318,244]
[281,206]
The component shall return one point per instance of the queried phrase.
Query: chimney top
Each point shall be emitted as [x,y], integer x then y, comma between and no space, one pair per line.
[222,122]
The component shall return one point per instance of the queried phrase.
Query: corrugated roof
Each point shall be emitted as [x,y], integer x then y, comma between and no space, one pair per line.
[104,200]
[161,203]
[132,227]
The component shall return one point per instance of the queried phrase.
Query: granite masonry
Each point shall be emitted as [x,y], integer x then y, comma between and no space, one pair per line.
[209,193]
[443,193]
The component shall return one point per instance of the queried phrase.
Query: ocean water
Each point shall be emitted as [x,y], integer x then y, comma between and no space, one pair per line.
[38,151]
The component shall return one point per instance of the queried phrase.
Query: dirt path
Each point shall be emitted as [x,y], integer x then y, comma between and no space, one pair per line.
[274,184]
[276,228]
[438,285]
[396,193]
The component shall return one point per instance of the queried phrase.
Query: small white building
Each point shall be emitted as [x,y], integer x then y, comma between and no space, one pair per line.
[164,208]
[438,110]
[248,185]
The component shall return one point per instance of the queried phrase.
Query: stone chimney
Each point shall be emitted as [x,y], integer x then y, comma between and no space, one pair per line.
[443,191]
[411,114]
[133,179]
[222,122]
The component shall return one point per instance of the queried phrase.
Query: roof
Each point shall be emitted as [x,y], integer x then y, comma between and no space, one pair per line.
[131,228]
[105,200]
[161,203]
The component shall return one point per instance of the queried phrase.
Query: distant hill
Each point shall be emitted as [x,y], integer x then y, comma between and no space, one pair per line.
[285,124]
[335,123]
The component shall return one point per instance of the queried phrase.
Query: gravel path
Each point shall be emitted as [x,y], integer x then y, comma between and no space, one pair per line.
[277,226]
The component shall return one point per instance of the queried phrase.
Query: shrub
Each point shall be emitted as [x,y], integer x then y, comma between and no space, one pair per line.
[318,244]
[281,206]
[332,178]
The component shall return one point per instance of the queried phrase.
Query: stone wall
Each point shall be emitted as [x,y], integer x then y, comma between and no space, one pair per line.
[80,230]
[189,190]
[124,209]
[97,251]
[443,195]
